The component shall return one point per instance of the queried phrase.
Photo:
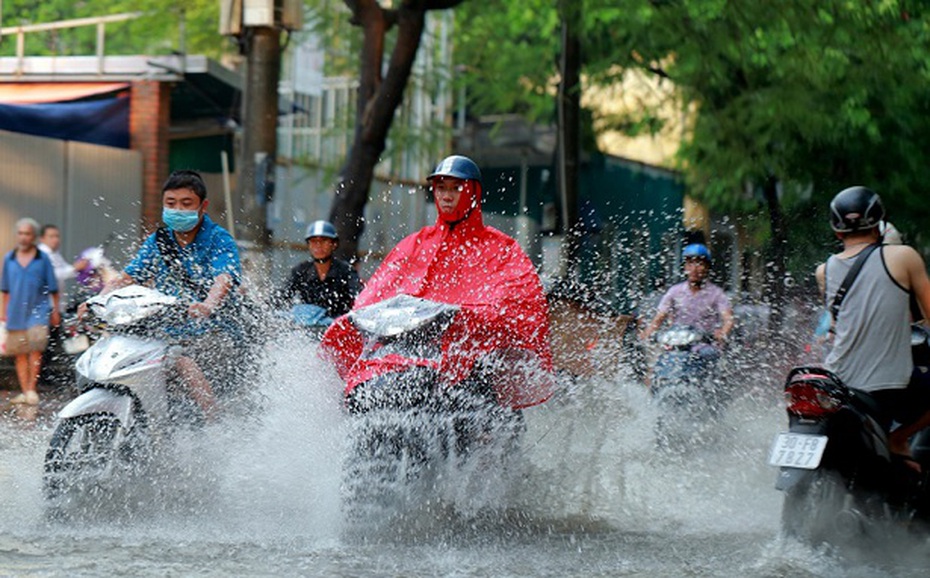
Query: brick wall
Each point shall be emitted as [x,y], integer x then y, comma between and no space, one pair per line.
[149,119]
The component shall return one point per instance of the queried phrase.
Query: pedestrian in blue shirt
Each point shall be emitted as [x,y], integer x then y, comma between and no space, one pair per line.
[27,281]
[195,259]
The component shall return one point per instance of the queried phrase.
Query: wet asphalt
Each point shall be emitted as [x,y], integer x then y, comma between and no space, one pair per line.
[52,397]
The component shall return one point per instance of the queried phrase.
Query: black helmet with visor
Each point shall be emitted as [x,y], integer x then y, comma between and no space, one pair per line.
[856,209]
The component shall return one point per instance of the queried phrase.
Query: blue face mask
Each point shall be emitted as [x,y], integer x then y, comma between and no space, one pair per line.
[178,220]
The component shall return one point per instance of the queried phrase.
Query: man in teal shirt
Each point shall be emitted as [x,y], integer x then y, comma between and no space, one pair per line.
[195,259]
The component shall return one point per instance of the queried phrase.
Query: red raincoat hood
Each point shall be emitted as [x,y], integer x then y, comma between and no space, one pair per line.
[469,203]
[503,309]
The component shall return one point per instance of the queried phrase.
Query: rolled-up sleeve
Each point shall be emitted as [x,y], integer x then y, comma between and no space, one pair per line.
[142,267]
[225,257]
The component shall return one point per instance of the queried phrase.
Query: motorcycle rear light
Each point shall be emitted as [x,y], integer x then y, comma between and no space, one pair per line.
[808,400]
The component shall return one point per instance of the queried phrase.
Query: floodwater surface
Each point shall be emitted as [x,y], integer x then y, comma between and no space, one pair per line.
[589,496]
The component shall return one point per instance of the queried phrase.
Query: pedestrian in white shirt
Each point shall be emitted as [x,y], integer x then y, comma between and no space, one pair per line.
[50,243]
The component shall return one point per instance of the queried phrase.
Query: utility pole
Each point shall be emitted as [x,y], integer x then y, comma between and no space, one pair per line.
[257,25]
[259,143]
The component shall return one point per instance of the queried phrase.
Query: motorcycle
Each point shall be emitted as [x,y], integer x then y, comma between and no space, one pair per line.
[127,403]
[410,427]
[841,484]
[66,342]
[306,317]
[75,335]
[687,395]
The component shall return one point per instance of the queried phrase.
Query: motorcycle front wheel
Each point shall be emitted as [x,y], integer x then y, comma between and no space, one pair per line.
[85,450]
[387,457]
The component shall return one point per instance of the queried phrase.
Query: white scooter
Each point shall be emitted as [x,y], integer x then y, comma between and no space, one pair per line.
[126,404]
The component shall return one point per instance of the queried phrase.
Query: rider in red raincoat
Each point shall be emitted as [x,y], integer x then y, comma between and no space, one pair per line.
[459,260]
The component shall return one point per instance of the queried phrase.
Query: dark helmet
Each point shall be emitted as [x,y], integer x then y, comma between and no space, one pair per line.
[456,166]
[856,209]
[696,251]
[321,229]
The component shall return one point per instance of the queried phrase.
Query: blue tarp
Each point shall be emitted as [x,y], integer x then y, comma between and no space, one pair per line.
[104,122]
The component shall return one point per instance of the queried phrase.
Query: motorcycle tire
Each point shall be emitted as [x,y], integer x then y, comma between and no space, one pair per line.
[88,449]
[82,449]
[385,462]
[815,511]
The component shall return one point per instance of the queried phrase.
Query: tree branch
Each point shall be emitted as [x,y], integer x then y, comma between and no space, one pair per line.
[390,18]
[353,7]
[370,16]
[658,71]
[440,4]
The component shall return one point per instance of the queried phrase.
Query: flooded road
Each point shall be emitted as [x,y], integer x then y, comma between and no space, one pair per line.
[262,498]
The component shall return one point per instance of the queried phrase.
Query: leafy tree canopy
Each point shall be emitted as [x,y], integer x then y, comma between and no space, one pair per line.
[158,31]
[818,95]
[509,52]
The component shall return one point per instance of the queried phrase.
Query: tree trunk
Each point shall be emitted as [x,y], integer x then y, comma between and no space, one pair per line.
[378,99]
[775,272]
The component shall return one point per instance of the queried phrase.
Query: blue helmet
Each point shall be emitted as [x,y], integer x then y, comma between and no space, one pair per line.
[698,251]
[321,229]
[456,166]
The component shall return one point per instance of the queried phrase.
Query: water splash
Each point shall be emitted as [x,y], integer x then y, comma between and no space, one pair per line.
[264,496]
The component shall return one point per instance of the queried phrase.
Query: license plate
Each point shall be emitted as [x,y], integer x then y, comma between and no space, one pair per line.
[792,450]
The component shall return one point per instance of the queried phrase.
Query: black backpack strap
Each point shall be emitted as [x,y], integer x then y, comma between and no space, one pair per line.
[848,281]
[172,257]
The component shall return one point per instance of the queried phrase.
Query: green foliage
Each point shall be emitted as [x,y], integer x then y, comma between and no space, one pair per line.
[158,31]
[509,52]
[820,95]
[330,21]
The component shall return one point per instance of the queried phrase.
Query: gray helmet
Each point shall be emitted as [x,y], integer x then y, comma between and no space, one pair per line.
[456,166]
[321,229]
[856,209]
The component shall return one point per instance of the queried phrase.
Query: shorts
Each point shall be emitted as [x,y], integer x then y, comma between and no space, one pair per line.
[224,361]
[904,405]
[26,340]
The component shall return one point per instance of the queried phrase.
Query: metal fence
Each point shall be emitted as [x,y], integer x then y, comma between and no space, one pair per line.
[93,193]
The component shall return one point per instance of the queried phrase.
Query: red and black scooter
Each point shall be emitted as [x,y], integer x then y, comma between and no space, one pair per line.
[842,485]
[411,427]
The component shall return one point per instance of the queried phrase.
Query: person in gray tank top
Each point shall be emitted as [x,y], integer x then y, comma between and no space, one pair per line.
[871,332]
